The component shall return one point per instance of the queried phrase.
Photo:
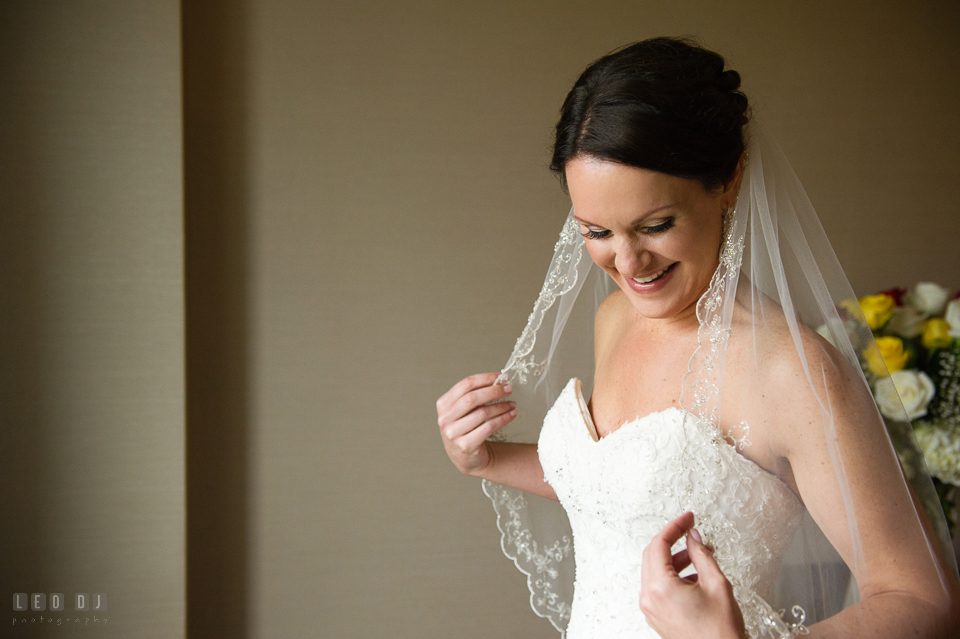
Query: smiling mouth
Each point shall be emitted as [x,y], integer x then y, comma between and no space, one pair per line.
[655,276]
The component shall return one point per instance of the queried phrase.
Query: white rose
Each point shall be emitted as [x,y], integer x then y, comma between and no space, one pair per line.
[928,298]
[906,322]
[852,328]
[909,390]
[940,444]
[953,317]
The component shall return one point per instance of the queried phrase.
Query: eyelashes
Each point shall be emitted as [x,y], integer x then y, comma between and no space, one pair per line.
[594,235]
[666,225]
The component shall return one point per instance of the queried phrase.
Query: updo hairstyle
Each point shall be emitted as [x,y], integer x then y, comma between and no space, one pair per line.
[663,104]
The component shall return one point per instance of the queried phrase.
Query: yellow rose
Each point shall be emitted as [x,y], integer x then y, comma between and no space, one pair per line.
[887,356]
[877,309]
[936,334]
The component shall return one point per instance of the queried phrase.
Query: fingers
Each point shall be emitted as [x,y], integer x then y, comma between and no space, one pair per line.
[478,398]
[468,414]
[481,422]
[703,561]
[476,437]
[659,547]
[467,395]
[674,530]
[473,410]
[695,606]
[658,560]
[681,560]
[464,386]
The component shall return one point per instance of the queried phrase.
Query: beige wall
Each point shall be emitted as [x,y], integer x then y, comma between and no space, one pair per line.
[399,219]
[368,219]
[91,314]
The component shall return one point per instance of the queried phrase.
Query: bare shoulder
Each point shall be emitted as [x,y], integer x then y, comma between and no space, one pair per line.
[788,351]
[803,377]
[816,365]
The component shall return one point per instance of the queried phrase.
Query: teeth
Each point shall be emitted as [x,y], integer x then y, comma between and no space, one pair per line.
[647,280]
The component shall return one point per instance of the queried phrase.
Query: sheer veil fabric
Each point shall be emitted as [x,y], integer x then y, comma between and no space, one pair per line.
[778,301]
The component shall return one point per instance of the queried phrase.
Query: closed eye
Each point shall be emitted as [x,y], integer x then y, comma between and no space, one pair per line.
[590,234]
[666,225]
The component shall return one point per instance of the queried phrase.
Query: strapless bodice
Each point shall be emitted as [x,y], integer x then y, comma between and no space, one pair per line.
[619,491]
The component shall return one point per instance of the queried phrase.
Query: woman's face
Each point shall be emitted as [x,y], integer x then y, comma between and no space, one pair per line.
[656,235]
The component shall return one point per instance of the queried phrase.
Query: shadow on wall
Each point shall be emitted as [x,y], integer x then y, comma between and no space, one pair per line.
[23,431]
[215,227]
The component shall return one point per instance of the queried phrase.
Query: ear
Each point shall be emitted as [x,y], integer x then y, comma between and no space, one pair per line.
[732,188]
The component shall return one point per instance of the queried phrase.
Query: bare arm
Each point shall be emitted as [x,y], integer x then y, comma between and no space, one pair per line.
[467,418]
[517,466]
[907,590]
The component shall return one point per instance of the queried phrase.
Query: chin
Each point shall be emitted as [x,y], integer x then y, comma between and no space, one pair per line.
[662,305]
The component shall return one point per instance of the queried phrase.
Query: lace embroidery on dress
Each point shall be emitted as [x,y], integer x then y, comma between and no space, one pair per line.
[739,550]
[616,505]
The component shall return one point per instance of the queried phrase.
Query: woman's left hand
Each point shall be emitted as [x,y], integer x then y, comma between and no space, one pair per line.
[700,605]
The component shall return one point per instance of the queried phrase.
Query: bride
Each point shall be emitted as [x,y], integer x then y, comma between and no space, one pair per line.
[730,461]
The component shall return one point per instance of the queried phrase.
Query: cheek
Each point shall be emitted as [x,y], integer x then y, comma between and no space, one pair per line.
[703,253]
[697,247]
[600,253]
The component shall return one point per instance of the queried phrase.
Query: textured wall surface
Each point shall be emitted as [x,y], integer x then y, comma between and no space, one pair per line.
[91,310]
[395,223]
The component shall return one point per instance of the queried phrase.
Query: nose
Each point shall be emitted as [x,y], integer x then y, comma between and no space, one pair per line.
[632,257]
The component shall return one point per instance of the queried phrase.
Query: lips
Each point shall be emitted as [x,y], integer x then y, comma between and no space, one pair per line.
[653,282]
[655,276]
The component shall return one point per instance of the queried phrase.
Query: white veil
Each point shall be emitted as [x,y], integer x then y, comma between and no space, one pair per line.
[777,285]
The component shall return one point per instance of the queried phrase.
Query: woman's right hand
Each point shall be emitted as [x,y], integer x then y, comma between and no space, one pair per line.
[467,418]
[700,605]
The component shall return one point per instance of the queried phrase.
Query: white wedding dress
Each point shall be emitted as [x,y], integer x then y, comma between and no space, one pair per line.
[620,490]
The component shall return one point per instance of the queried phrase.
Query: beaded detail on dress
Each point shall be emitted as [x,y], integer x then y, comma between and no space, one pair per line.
[619,492]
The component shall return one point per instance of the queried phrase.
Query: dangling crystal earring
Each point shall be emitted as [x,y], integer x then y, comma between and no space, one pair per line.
[729,253]
[727,221]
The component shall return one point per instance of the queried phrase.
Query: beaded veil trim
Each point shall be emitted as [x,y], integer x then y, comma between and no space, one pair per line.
[541,559]
[561,279]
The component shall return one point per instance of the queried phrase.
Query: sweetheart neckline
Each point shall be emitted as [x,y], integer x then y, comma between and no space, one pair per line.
[592,427]
[585,416]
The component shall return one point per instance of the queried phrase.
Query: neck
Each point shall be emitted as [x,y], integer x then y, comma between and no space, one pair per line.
[682,323]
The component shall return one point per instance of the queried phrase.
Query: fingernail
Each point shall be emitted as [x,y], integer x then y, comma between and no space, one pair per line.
[514,404]
[502,378]
[696,535]
[508,389]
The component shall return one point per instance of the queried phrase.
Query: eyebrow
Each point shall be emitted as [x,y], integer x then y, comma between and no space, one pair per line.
[635,222]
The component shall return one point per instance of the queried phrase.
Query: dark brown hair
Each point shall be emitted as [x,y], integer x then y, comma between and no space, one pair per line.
[664,104]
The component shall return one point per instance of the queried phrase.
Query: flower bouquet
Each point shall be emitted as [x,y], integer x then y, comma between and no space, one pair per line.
[914,369]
